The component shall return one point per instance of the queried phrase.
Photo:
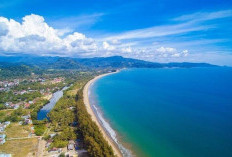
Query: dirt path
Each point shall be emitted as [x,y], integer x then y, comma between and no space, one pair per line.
[41,147]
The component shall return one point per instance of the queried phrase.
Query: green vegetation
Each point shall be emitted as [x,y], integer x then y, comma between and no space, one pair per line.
[36,107]
[62,155]
[39,127]
[69,119]
[70,109]
[16,71]
[20,148]
[11,97]
[94,142]
[62,117]
[25,85]
[14,130]
[2,107]
[15,116]
[4,114]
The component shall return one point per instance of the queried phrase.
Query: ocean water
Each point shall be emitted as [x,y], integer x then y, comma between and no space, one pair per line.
[168,112]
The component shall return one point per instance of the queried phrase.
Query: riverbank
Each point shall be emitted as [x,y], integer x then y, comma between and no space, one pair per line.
[94,117]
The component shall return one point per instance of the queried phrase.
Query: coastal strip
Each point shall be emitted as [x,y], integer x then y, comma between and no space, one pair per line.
[94,117]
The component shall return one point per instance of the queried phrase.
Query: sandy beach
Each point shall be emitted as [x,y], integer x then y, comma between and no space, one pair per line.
[94,117]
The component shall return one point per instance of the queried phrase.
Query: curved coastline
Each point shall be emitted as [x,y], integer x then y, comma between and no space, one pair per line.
[95,117]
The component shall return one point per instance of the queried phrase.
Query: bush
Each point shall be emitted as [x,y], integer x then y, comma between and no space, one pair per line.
[39,129]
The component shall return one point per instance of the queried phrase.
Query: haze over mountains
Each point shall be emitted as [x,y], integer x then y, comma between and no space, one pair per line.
[90,63]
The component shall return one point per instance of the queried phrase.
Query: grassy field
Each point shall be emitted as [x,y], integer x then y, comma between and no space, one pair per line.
[5,113]
[15,130]
[20,148]
[75,88]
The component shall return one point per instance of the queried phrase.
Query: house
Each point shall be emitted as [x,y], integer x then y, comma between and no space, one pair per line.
[2,141]
[7,123]
[32,130]
[2,138]
[49,142]
[5,155]
[71,145]
[28,121]
[52,135]
[55,150]
[7,104]
[26,117]
[31,102]
[27,105]
[23,92]
[16,106]
[2,128]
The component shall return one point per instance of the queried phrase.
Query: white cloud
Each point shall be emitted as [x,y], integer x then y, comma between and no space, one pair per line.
[203,16]
[127,49]
[115,42]
[75,22]
[157,31]
[107,46]
[166,49]
[185,52]
[34,35]
[3,29]
[186,24]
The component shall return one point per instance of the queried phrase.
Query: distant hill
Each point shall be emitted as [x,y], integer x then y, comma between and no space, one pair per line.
[92,63]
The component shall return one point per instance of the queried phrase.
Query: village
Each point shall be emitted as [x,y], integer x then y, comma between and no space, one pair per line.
[21,134]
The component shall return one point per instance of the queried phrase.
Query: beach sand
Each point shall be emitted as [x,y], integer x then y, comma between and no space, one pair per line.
[94,117]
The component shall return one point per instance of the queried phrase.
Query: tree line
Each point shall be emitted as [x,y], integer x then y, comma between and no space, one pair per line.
[93,139]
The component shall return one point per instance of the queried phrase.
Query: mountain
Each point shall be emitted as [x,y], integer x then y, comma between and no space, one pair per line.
[91,63]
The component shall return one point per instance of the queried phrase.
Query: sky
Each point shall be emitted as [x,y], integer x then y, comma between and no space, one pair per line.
[152,30]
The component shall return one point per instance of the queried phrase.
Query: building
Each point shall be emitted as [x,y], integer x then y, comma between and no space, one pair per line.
[27,105]
[5,155]
[71,145]
[2,139]
[2,136]
[2,127]
[16,106]
[55,150]
[26,117]
[28,121]
[52,135]
[7,123]
[31,102]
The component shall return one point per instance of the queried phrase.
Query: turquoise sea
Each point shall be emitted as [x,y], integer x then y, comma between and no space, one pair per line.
[168,112]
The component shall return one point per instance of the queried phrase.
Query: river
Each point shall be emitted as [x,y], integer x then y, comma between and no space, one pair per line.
[48,107]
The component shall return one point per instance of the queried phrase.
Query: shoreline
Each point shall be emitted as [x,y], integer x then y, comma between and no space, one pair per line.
[94,117]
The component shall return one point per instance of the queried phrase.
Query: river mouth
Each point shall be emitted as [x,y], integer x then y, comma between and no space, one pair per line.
[42,114]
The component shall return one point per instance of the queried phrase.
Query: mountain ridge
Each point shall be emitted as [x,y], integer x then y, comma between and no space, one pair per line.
[56,62]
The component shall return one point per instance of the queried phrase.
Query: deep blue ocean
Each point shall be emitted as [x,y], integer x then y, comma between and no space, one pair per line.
[179,112]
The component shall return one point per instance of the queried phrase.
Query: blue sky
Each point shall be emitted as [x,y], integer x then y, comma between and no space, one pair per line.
[154,30]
